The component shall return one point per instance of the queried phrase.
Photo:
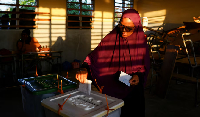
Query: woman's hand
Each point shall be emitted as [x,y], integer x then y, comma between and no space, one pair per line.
[81,76]
[134,80]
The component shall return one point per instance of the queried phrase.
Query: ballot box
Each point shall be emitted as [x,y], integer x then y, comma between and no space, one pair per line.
[80,104]
[35,89]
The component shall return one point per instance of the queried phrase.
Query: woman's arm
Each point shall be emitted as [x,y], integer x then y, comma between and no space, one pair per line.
[20,46]
[140,75]
[137,78]
[85,65]
[36,43]
[89,77]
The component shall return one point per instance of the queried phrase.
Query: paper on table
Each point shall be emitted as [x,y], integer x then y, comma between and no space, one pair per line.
[125,78]
[86,87]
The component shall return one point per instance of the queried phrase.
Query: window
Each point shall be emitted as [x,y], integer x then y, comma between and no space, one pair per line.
[79,13]
[18,14]
[120,7]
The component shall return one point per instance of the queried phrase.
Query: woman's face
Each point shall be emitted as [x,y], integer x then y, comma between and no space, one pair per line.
[24,36]
[126,27]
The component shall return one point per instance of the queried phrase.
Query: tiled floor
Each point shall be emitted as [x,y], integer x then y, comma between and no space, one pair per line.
[179,101]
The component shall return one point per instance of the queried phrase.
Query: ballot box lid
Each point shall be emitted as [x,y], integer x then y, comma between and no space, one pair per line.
[69,109]
[46,84]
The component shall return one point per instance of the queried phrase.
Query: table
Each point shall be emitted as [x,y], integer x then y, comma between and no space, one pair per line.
[37,56]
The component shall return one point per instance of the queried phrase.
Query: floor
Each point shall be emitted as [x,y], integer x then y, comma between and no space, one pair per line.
[179,101]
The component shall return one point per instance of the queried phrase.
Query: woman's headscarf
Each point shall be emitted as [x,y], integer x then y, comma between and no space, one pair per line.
[105,61]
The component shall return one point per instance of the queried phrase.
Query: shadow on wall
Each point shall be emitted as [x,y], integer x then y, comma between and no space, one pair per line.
[58,46]
[171,12]
[76,46]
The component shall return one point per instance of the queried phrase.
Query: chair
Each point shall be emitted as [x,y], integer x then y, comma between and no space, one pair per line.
[193,65]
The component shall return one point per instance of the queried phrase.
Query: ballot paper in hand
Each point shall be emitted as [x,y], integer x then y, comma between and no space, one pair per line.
[85,87]
[125,78]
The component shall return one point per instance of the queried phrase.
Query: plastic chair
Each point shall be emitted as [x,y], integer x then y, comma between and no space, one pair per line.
[193,66]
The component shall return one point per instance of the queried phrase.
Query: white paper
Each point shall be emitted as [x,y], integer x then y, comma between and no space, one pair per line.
[125,78]
[145,21]
[85,87]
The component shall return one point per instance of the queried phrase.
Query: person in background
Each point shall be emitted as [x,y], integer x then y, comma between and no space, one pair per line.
[5,22]
[123,49]
[13,22]
[27,44]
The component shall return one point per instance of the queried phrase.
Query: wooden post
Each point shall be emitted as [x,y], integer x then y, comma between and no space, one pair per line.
[17,15]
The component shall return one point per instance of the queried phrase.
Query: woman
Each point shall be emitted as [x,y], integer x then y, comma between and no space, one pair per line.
[123,49]
[29,44]
[26,43]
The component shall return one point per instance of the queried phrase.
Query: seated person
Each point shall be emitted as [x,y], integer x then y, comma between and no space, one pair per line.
[27,44]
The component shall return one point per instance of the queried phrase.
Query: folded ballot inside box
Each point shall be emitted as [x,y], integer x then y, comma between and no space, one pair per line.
[85,87]
[125,78]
